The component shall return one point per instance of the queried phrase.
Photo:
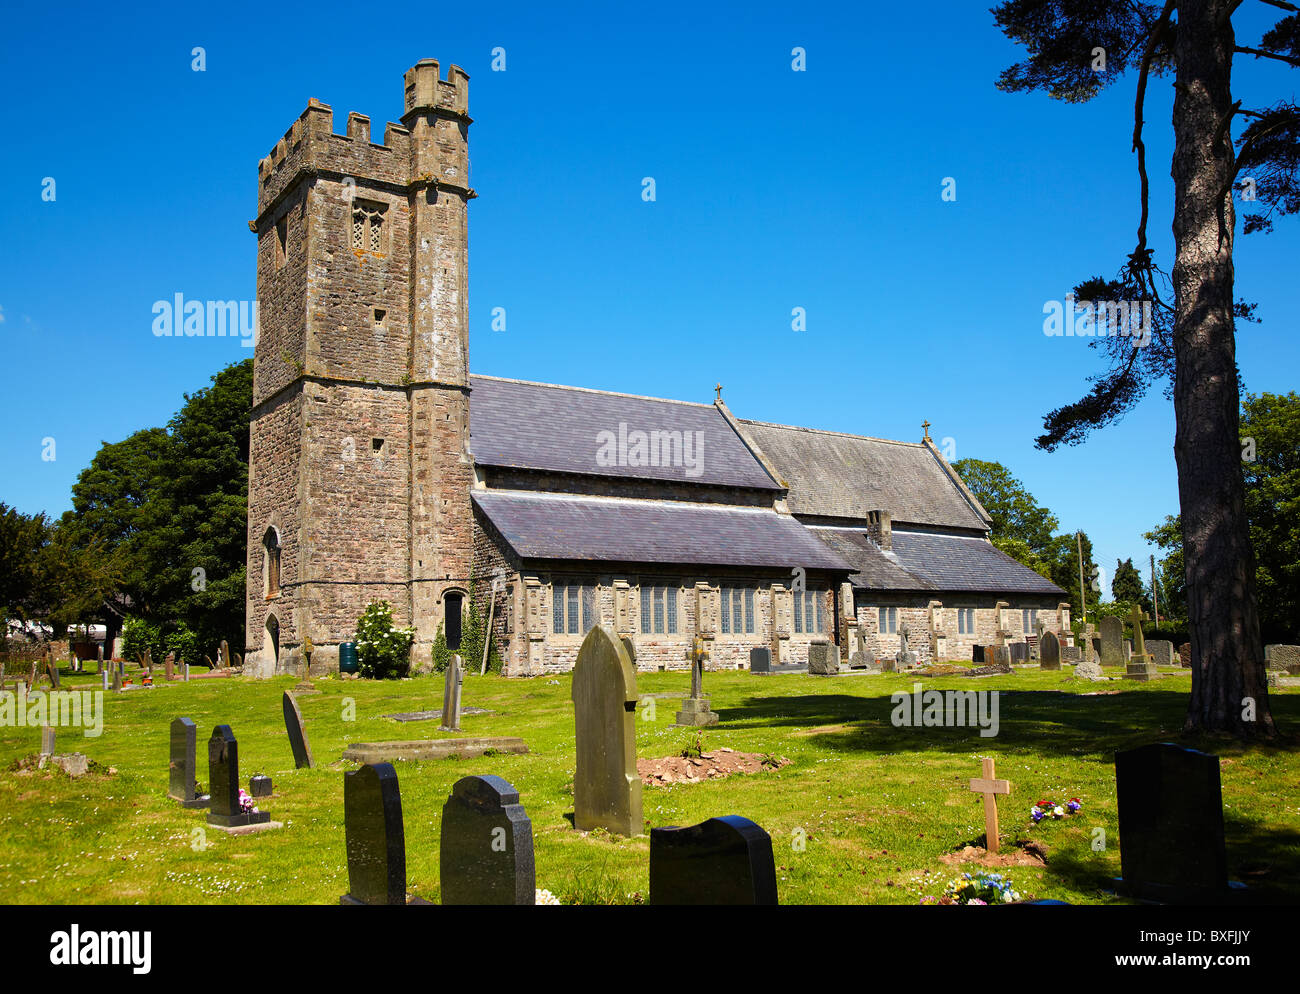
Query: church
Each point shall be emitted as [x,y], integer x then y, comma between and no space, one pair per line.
[380,468]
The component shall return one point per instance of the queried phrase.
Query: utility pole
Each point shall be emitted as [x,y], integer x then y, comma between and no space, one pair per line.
[1155,597]
[1083,596]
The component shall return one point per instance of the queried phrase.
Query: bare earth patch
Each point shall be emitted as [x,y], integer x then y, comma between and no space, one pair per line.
[715,765]
[1032,854]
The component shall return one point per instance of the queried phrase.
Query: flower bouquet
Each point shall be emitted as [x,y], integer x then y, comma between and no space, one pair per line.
[982,888]
[1050,809]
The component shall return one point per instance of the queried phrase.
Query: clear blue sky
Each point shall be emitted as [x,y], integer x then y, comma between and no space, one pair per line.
[775,189]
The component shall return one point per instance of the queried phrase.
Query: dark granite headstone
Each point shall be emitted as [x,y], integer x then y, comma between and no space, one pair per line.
[1170,810]
[760,660]
[223,782]
[977,654]
[297,734]
[1019,652]
[376,840]
[182,768]
[260,786]
[1049,652]
[724,860]
[486,848]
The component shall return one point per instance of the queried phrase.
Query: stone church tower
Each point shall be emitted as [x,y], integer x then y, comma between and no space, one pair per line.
[359,468]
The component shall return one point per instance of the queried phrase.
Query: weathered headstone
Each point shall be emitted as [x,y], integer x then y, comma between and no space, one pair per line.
[297,733]
[1281,657]
[1089,669]
[223,783]
[722,861]
[695,710]
[185,669]
[52,667]
[47,743]
[376,839]
[1019,652]
[103,679]
[760,660]
[453,678]
[99,658]
[486,846]
[606,787]
[977,654]
[1070,654]
[1112,641]
[905,657]
[182,768]
[117,680]
[1049,652]
[1170,808]
[260,786]
[1185,654]
[823,659]
[169,667]
[1162,652]
[223,654]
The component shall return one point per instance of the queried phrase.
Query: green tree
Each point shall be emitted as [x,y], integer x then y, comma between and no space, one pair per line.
[1189,342]
[1270,446]
[1013,509]
[1126,585]
[23,583]
[1171,570]
[1062,557]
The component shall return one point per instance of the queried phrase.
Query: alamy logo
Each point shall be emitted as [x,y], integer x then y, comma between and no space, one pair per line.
[181,318]
[653,448]
[63,708]
[77,948]
[946,709]
[1099,319]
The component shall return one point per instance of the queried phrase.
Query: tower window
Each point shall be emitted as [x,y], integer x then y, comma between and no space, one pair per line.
[367,227]
[271,562]
[377,446]
[380,314]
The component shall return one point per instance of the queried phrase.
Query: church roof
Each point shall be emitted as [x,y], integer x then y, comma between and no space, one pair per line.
[846,476]
[612,529]
[931,561]
[541,426]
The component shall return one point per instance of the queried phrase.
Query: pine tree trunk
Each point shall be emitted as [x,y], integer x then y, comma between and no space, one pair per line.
[1227,653]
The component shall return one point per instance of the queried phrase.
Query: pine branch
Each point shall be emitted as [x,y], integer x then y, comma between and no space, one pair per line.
[1259,53]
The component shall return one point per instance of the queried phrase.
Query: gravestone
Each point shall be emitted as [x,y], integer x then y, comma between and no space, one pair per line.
[606,787]
[1170,809]
[977,654]
[169,667]
[722,861]
[486,845]
[760,660]
[1162,652]
[990,786]
[1281,657]
[223,782]
[1139,665]
[183,767]
[1019,652]
[297,733]
[904,657]
[1112,641]
[1095,642]
[260,786]
[1070,654]
[223,655]
[1049,652]
[47,740]
[103,679]
[452,680]
[185,669]
[1089,669]
[823,659]
[695,710]
[1185,655]
[376,839]
[117,680]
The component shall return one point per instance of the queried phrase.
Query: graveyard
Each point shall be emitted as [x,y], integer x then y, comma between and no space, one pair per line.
[863,812]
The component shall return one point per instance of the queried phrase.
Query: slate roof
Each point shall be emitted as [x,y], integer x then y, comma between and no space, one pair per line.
[846,476]
[929,561]
[603,529]
[541,426]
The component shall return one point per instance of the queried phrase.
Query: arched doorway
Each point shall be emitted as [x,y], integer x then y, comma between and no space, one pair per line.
[273,638]
[271,563]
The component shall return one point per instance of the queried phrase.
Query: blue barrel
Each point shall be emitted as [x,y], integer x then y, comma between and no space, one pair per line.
[348,657]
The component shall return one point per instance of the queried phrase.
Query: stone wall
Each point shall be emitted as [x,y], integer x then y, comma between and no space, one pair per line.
[918,609]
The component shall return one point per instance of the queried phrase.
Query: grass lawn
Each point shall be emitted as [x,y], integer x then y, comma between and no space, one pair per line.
[878,804]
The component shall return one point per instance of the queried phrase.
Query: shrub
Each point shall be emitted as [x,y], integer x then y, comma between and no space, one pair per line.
[441,654]
[383,650]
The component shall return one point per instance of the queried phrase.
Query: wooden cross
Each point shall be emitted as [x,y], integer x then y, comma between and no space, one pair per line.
[990,788]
